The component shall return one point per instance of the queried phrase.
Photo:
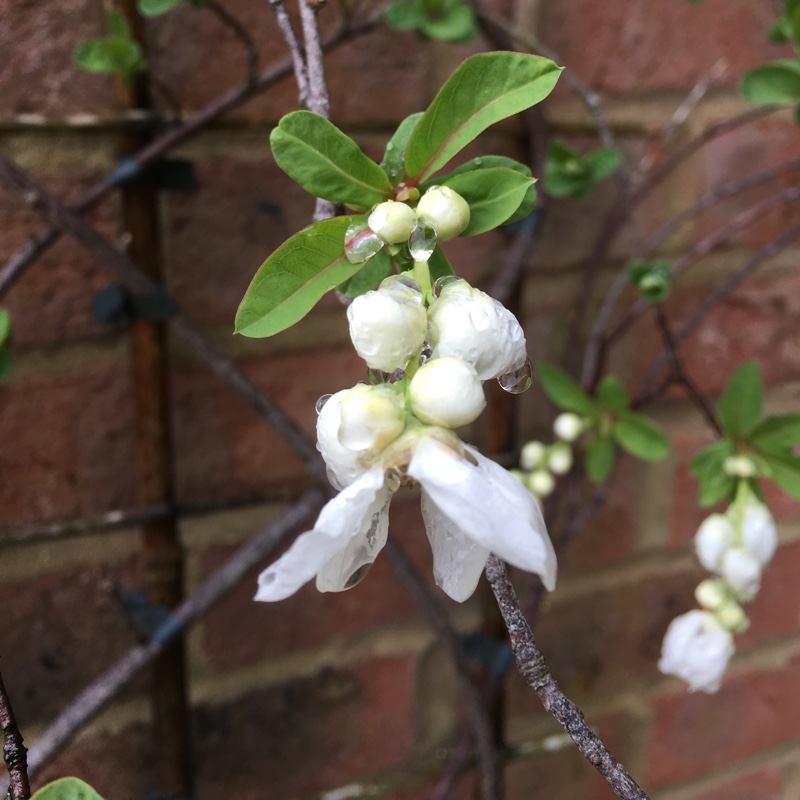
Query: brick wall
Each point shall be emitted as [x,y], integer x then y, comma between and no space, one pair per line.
[325,690]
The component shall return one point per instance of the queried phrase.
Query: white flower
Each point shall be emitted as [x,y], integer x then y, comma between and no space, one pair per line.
[742,570]
[465,323]
[372,417]
[713,539]
[392,222]
[470,505]
[446,211]
[446,392]
[759,535]
[568,426]
[387,325]
[697,649]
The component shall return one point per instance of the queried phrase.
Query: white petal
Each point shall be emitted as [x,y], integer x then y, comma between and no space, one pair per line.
[488,504]
[350,565]
[458,561]
[340,520]
[713,539]
[758,531]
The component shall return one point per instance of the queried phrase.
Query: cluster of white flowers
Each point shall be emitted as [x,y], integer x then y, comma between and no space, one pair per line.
[736,546]
[541,463]
[429,364]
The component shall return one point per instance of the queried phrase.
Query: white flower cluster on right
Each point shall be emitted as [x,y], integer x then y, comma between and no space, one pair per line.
[736,546]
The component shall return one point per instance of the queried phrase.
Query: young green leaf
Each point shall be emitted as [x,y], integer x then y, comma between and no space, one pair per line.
[611,393]
[716,487]
[785,471]
[777,434]
[780,31]
[5,326]
[741,402]
[600,458]
[67,789]
[456,24]
[775,84]
[406,15]
[640,437]
[438,265]
[292,280]
[565,391]
[118,25]
[155,8]
[493,196]
[486,88]
[711,458]
[326,162]
[369,276]
[603,162]
[393,163]
[111,56]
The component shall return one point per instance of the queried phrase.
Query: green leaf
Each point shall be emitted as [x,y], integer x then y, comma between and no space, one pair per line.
[611,393]
[603,162]
[641,437]
[155,8]
[710,459]
[369,276]
[326,162]
[493,196]
[292,280]
[118,25]
[486,88]
[741,402]
[109,56]
[404,16]
[780,31]
[394,159]
[777,434]
[5,326]
[561,153]
[716,487]
[67,789]
[438,265]
[600,458]
[775,84]
[565,391]
[785,471]
[558,183]
[457,25]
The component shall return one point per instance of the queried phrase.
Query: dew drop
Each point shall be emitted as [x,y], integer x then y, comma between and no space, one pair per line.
[477,162]
[394,478]
[440,283]
[422,242]
[360,242]
[518,380]
[321,402]
[410,283]
[390,146]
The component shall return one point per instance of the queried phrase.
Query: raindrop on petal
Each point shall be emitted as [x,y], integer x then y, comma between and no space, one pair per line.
[518,380]
[394,478]
[321,402]
[422,242]
[357,576]
[409,282]
[360,242]
[440,283]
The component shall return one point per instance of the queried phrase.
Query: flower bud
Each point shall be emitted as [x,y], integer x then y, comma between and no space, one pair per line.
[446,211]
[732,617]
[714,537]
[372,417]
[742,571]
[759,535]
[344,464]
[711,594]
[541,483]
[532,455]
[446,392]
[387,325]
[559,459]
[392,222]
[568,426]
[739,466]
[465,323]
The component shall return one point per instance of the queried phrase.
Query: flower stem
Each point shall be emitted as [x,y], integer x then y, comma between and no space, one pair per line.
[422,275]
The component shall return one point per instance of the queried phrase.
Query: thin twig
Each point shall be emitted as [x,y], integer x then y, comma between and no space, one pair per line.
[37,245]
[437,619]
[240,32]
[680,373]
[14,751]
[295,50]
[531,665]
[94,698]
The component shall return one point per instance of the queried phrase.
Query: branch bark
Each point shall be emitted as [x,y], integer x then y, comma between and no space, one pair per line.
[14,751]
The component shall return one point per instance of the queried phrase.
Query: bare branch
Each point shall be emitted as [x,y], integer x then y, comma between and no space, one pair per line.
[531,665]
[240,32]
[295,50]
[14,751]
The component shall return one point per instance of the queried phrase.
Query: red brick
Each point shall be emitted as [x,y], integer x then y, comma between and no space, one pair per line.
[742,152]
[766,784]
[69,446]
[696,733]
[313,733]
[37,41]
[626,47]
[240,631]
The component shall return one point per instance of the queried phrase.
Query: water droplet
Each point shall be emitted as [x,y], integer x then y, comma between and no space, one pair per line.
[440,283]
[321,402]
[390,146]
[422,242]
[518,380]
[425,353]
[477,162]
[394,477]
[360,242]
[410,283]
